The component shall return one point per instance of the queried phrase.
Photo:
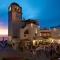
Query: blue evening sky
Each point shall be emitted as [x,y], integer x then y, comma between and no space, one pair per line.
[47,12]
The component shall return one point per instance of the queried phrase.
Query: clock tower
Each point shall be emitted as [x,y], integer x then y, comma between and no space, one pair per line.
[14,20]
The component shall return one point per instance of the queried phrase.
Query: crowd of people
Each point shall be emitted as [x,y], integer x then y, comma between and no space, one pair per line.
[51,51]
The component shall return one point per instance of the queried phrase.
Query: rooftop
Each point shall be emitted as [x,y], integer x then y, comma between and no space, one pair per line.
[31,21]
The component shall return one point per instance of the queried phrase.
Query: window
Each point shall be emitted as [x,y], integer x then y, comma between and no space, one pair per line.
[35,34]
[26,32]
[24,35]
[31,24]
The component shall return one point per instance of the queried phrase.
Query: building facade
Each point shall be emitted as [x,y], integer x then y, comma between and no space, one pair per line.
[30,32]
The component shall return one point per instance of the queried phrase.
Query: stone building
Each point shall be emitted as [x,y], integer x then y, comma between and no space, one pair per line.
[14,20]
[19,29]
[55,34]
[30,32]
[45,33]
[14,23]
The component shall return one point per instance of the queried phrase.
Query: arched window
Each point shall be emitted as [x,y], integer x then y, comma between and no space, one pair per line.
[26,32]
